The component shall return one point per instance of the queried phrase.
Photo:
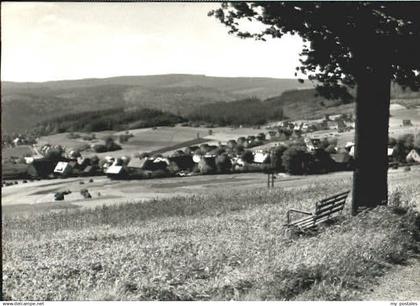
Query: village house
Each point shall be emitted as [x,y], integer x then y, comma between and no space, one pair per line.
[116,172]
[333,117]
[30,159]
[261,157]
[64,168]
[390,154]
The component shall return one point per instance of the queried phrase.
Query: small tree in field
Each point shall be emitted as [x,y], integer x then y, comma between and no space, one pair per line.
[247,156]
[367,44]
[276,157]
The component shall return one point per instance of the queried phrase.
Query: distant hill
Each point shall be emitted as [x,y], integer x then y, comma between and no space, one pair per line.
[291,104]
[26,104]
[305,104]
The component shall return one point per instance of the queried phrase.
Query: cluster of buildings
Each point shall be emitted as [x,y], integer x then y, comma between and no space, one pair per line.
[55,161]
[194,160]
[340,123]
[252,153]
[19,140]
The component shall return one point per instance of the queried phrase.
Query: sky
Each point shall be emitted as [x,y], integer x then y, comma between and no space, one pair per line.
[61,41]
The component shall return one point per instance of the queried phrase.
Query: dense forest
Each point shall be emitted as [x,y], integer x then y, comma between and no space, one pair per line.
[250,111]
[108,119]
[291,104]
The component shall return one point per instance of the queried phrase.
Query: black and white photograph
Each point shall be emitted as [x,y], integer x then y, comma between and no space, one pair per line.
[210,151]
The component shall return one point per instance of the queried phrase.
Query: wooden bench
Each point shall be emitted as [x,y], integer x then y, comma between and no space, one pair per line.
[325,210]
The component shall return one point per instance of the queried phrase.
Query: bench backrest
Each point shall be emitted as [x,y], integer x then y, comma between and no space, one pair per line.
[330,205]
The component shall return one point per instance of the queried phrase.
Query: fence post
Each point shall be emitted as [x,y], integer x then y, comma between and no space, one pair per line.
[270,179]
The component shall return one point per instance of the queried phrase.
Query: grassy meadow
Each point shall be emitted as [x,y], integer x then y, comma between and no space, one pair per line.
[221,246]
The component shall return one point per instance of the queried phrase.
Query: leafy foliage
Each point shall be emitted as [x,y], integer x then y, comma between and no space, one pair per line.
[296,160]
[365,43]
[276,157]
[340,39]
[247,156]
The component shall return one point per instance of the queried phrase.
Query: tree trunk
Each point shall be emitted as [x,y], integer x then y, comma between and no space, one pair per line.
[370,183]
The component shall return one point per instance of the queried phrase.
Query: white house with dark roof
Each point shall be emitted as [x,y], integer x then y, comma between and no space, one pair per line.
[261,156]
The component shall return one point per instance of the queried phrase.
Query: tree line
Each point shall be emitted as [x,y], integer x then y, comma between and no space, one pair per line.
[108,119]
[251,111]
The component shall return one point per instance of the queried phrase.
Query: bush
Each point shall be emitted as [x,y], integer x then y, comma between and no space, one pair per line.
[89,137]
[255,143]
[204,148]
[54,154]
[204,168]
[123,138]
[253,167]
[416,143]
[296,160]
[238,150]
[247,156]
[72,135]
[392,142]
[276,157]
[111,145]
[261,136]
[404,145]
[241,141]
[100,148]
[231,144]
[142,155]
[158,173]
[223,163]
[322,162]
[94,160]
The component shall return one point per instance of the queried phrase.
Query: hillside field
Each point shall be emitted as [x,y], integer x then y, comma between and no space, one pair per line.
[16,152]
[225,243]
[164,138]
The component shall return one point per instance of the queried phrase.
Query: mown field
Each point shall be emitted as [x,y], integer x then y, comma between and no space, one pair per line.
[226,245]
[19,151]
